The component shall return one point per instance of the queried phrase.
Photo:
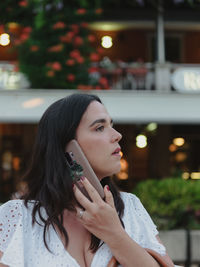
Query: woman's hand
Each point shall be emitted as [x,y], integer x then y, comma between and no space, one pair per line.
[99,217]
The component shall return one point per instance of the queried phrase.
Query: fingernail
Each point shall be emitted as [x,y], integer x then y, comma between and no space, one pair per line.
[107,187]
[82,178]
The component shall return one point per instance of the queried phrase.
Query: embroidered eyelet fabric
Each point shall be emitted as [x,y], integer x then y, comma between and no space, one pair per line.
[22,244]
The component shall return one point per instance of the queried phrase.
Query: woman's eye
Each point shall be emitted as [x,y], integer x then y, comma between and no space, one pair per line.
[100,129]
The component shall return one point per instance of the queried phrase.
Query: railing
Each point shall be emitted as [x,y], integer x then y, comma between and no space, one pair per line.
[10,78]
[120,75]
[127,76]
[151,76]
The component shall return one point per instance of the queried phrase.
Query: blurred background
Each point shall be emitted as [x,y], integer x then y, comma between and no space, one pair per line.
[143,59]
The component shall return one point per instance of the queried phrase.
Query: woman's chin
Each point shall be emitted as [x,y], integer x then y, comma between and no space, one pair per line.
[108,172]
[115,171]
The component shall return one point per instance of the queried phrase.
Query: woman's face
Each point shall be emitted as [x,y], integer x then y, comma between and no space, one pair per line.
[99,141]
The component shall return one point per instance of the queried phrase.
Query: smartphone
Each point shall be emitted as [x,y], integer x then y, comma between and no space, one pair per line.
[80,166]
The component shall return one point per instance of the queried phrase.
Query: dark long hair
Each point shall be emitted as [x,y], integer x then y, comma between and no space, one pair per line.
[48,179]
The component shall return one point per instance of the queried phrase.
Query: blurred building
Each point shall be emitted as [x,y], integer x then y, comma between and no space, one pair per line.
[151,61]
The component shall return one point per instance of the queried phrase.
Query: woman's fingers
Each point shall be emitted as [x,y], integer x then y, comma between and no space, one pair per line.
[83,200]
[108,196]
[92,192]
[93,208]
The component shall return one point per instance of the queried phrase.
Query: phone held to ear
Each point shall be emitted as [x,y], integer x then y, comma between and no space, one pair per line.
[80,166]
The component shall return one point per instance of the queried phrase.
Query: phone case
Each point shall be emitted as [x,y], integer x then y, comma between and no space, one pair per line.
[80,166]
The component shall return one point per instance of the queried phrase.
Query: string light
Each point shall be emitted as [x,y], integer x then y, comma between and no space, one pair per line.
[4,39]
[106,41]
[152,127]
[141,141]
[179,141]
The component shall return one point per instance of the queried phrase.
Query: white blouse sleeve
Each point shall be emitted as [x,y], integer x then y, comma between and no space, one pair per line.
[11,235]
[140,225]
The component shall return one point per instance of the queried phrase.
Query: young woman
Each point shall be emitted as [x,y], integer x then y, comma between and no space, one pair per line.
[54,224]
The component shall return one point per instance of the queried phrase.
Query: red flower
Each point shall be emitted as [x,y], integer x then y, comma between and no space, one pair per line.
[27,29]
[81,11]
[103,81]
[80,60]
[75,53]
[50,73]
[94,57]
[55,48]
[17,42]
[78,40]
[100,50]
[34,48]
[98,10]
[24,37]
[84,24]
[23,3]
[59,25]
[93,69]
[70,35]
[75,28]
[91,38]
[65,39]
[2,28]
[70,62]
[56,66]
[70,77]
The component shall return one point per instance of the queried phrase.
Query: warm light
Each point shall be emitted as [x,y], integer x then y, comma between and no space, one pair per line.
[186,175]
[179,141]
[122,175]
[180,156]
[16,163]
[172,148]
[106,41]
[151,126]
[4,39]
[33,103]
[141,141]
[195,175]
[124,165]
[121,154]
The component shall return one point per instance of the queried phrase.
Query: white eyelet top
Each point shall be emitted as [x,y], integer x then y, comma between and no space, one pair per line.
[22,244]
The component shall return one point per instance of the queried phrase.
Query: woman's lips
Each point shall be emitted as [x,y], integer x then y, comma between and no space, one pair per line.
[117,152]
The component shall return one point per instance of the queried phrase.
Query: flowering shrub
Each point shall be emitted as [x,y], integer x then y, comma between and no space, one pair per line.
[55,46]
[171,202]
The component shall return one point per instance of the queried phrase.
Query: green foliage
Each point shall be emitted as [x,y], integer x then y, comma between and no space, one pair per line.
[171,202]
[55,46]
[19,11]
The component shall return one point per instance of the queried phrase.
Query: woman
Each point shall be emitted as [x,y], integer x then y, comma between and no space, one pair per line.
[55,224]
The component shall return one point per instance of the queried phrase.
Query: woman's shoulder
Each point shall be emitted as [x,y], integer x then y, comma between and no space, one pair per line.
[135,209]
[15,205]
[14,210]
[14,216]
[11,206]
[139,224]
[129,197]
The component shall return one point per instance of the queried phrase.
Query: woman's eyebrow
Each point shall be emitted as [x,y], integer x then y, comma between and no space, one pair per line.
[100,121]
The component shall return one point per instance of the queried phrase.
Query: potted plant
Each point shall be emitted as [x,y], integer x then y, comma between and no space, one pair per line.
[174,206]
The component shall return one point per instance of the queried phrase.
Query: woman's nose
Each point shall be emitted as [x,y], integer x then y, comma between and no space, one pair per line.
[116,136]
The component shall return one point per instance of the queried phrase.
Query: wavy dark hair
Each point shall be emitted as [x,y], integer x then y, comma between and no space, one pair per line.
[48,178]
